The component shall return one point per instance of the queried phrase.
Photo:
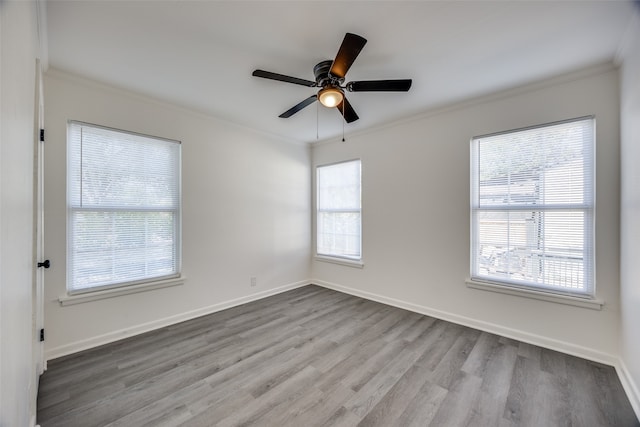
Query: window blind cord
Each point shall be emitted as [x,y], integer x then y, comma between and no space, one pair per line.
[81,168]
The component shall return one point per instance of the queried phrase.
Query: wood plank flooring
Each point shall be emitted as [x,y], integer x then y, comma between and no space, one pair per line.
[316,357]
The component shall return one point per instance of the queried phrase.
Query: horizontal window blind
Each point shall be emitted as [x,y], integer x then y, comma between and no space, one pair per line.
[532,207]
[123,208]
[339,210]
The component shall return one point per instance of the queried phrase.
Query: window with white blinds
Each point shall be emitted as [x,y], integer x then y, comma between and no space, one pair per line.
[339,210]
[532,207]
[123,208]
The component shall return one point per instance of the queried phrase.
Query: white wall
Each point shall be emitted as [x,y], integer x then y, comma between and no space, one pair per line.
[415,192]
[18,35]
[630,216]
[245,213]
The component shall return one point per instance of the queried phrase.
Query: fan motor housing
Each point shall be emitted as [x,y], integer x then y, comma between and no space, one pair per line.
[321,72]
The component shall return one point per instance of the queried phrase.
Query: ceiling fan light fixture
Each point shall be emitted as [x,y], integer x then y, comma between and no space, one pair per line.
[330,96]
[330,80]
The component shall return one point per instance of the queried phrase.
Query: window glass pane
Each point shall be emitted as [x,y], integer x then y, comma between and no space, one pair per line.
[532,247]
[538,166]
[339,234]
[117,169]
[339,186]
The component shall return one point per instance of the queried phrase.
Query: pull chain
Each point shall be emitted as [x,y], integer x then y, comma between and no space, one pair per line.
[343,118]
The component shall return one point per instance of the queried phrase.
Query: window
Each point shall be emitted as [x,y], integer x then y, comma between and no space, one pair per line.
[123,208]
[532,208]
[338,210]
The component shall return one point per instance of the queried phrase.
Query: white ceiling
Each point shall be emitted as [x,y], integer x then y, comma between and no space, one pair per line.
[200,54]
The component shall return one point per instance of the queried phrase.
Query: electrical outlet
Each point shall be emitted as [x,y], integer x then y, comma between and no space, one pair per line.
[254,281]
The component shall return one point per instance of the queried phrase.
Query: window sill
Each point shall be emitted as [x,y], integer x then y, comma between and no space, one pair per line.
[116,292]
[341,261]
[593,304]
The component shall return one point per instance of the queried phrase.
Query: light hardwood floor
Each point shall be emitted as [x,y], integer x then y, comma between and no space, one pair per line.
[316,357]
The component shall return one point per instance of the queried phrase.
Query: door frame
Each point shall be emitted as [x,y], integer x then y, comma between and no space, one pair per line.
[38,226]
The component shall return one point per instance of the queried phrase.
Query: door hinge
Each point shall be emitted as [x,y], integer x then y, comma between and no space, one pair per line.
[41,334]
[41,135]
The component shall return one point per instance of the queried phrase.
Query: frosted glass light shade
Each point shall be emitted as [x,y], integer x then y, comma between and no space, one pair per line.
[330,96]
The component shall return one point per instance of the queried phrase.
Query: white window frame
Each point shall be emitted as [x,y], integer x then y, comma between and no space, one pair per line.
[335,257]
[549,292]
[75,294]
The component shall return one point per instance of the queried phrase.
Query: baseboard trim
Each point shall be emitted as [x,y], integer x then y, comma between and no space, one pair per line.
[107,338]
[572,349]
[630,387]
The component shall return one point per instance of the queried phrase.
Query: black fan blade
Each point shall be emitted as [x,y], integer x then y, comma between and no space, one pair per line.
[380,86]
[348,52]
[347,111]
[291,111]
[283,78]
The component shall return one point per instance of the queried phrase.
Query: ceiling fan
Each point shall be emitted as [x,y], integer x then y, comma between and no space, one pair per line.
[330,77]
